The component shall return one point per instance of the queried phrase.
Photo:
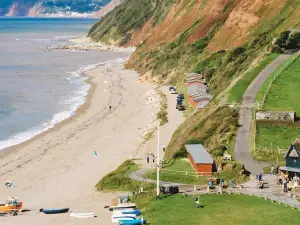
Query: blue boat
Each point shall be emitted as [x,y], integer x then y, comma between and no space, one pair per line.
[133,222]
[55,210]
[133,211]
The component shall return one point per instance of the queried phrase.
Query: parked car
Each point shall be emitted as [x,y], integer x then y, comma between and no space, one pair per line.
[180,95]
[180,107]
[172,90]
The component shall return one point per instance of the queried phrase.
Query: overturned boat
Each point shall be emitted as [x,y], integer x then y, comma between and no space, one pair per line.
[55,210]
[123,206]
[117,217]
[82,215]
[128,211]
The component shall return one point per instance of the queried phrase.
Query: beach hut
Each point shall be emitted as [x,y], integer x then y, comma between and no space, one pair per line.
[200,159]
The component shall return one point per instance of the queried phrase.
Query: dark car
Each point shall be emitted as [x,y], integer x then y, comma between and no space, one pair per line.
[180,107]
[180,95]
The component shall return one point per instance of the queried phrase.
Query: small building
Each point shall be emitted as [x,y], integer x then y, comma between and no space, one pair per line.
[292,160]
[200,159]
[276,116]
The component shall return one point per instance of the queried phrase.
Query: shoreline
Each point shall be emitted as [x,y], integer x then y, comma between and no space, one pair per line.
[80,110]
[46,168]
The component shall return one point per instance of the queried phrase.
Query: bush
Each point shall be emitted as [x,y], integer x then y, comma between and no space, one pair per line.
[293,41]
[282,39]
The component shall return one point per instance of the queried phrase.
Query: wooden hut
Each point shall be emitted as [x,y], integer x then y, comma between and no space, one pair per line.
[200,159]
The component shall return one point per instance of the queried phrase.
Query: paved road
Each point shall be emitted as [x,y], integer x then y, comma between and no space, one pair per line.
[242,151]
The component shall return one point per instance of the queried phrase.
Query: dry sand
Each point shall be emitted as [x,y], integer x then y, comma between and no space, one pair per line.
[58,169]
[87,44]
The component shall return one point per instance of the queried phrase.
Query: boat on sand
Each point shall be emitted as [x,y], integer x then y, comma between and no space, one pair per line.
[118,217]
[12,205]
[82,215]
[54,210]
[128,211]
[133,222]
[122,206]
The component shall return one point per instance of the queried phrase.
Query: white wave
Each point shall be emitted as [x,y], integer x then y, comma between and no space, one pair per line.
[78,98]
[64,38]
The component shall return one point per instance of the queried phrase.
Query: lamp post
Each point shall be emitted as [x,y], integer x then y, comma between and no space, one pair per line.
[157,162]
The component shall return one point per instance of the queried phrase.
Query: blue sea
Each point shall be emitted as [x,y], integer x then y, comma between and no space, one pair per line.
[40,88]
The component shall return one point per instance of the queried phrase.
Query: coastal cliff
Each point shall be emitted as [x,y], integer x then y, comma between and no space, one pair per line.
[221,39]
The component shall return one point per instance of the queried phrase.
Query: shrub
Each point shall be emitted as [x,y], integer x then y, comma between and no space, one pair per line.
[283,37]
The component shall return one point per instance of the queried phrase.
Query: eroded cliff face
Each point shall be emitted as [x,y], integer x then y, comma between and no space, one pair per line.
[177,36]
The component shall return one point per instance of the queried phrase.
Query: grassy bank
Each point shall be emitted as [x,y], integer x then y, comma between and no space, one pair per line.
[284,93]
[212,128]
[118,180]
[162,114]
[237,91]
[178,171]
[219,210]
[271,137]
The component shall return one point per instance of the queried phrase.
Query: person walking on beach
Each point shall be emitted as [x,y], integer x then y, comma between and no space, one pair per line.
[164,148]
[110,108]
[95,153]
[148,158]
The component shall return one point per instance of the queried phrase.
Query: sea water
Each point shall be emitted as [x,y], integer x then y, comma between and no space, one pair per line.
[40,87]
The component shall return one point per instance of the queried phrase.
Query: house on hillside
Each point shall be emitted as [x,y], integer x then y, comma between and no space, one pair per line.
[292,160]
[200,159]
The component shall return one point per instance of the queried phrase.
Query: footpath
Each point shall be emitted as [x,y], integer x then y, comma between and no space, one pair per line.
[242,150]
[175,118]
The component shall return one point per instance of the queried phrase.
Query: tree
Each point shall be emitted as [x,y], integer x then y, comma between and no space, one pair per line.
[293,41]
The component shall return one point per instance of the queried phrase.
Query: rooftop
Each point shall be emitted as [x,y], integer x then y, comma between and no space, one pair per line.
[199,154]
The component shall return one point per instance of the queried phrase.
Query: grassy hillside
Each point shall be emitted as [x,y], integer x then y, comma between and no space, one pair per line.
[220,39]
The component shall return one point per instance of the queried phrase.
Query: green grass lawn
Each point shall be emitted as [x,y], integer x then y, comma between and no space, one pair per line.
[270,137]
[219,210]
[236,92]
[181,171]
[284,92]
[175,171]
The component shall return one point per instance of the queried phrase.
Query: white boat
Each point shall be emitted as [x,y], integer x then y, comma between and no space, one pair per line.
[127,211]
[117,217]
[122,206]
[82,215]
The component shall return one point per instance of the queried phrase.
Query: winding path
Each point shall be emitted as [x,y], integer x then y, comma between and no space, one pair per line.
[242,150]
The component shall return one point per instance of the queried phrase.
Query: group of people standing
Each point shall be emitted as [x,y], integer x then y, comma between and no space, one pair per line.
[151,155]
[286,181]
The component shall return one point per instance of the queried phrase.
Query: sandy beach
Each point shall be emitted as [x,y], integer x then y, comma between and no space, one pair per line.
[87,44]
[58,169]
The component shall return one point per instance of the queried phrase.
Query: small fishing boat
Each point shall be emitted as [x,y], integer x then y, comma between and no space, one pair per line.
[12,205]
[118,217]
[55,210]
[122,206]
[83,215]
[128,211]
[133,222]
